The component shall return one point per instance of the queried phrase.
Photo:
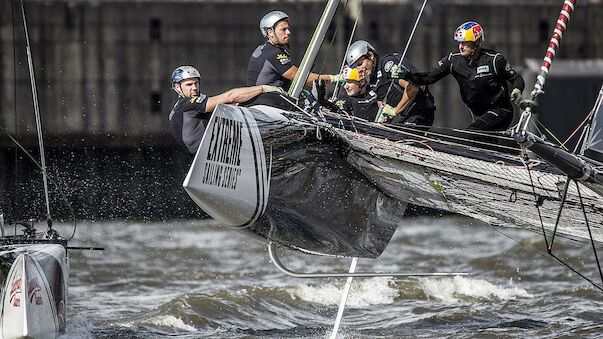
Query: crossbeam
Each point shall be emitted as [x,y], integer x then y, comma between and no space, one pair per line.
[276,261]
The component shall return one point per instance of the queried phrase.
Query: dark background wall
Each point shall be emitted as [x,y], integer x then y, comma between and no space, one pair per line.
[103,70]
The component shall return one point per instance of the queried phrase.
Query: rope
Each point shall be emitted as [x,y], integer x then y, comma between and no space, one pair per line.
[34,94]
[589,116]
[16,177]
[552,135]
[549,246]
[72,212]
[412,33]
[336,89]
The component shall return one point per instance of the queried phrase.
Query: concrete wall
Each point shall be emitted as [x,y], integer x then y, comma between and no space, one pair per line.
[103,68]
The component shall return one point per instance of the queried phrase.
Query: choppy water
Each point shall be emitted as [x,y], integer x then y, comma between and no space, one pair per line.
[193,279]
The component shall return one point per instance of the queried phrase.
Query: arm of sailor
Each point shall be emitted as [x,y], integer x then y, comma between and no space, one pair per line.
[504,69]
[291,72]
[438,72]
[410,92]
[233,96]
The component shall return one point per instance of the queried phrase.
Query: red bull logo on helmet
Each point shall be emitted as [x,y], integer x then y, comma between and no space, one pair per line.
[469,31]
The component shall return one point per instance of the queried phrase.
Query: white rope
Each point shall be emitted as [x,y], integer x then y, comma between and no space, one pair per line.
[412,33]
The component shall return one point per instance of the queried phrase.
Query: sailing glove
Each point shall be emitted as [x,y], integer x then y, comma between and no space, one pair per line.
[337,78]
[272,89]
[386,114]
[398,72]
[516,96]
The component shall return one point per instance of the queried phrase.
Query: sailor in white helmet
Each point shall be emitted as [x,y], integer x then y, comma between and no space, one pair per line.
[270,63]
[192,110]
[406,102]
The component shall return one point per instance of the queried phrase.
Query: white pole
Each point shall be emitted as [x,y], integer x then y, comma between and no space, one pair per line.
[344,299]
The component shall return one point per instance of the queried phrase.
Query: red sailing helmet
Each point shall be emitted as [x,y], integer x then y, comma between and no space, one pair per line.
[469,31]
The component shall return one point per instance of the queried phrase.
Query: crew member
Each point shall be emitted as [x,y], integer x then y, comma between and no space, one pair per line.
[482,75]
[358,99]
[406,102]
[270,63]
[192,110]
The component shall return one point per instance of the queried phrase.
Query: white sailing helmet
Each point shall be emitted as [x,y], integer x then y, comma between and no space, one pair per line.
[357,50]
[183,73]
[270,20]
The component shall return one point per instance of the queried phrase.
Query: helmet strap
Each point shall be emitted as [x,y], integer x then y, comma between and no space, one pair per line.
[178,90]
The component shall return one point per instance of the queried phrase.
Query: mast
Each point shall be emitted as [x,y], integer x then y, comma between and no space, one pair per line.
[317,38]
[560,26]
[34,93]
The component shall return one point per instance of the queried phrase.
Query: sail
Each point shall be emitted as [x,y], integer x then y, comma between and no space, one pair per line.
[594,142]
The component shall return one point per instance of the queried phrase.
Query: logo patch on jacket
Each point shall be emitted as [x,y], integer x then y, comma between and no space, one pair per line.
[283,58]
[483,69]
[198,99]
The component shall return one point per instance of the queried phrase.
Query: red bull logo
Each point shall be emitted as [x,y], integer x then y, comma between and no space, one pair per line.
[477,31]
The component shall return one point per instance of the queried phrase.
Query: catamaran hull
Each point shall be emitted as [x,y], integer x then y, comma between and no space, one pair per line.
[34,290]
[339,186]
[283,182]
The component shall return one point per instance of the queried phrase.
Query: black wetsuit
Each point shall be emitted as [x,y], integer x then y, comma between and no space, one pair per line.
[420,111]
[187,122]
[363,105]
[483,85]
[267,65]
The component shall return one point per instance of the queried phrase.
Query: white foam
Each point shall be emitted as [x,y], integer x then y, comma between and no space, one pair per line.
[451,289]
[171,321]
[364,292]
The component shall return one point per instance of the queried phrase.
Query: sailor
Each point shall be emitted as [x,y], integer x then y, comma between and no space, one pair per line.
[406,102]
[270,63]
[482,75]
[192,110]
[357,99]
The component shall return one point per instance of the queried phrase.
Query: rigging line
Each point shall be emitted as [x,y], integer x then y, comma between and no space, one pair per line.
[582,140]
[550,248]
[14,189]
[576,271]
[577,128]
[401,130]
[546,240]
[412,33]
[496,229]
[587,131]
[563,199]
[336,89]
[330,44]
[592,241]
[34,94]
[388,127]
[552,135]
[63,196]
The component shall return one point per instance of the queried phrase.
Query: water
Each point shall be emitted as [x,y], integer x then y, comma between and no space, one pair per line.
[193,279]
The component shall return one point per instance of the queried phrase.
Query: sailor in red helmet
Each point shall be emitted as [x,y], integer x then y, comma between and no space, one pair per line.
[482,75]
